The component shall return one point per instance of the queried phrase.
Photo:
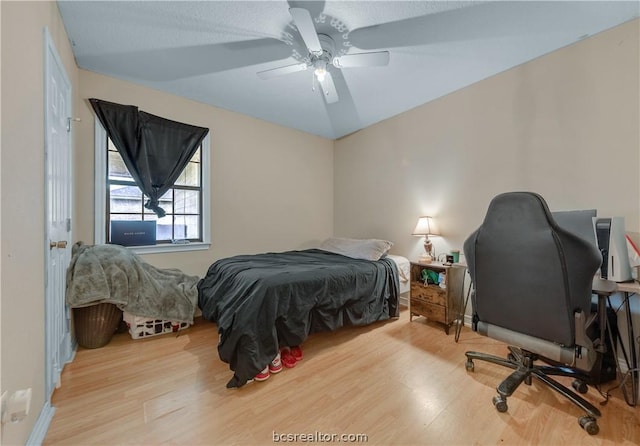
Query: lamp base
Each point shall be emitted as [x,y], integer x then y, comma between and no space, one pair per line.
[425,259]
[428,247]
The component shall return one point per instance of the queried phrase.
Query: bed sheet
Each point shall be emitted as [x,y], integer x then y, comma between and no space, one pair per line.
[404,267]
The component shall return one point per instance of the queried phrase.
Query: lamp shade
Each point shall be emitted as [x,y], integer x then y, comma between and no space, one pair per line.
[425,226]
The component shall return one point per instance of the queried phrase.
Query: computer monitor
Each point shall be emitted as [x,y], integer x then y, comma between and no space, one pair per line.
[578,222]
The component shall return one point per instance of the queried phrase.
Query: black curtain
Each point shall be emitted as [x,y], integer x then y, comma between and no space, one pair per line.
[154,149]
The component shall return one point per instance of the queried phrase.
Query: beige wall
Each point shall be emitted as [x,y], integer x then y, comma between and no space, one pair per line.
[555,125]
[22,165]
[271,187]
[565,125]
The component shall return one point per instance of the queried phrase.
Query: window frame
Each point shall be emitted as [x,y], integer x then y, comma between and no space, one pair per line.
[100,198]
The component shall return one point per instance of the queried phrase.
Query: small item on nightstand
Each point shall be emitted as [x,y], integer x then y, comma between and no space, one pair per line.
[429,277]
[425,259]
[449,259]
[442,280]
[456,255]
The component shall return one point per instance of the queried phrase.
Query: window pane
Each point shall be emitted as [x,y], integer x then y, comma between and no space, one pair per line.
[190,176]
[163,228]
[127,217]
[125,198]
[187,201]
[117,169]
[196,156]
[110,145]
[166,203]
[187,226]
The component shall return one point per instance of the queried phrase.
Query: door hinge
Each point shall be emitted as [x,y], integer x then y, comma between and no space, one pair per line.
[68,224]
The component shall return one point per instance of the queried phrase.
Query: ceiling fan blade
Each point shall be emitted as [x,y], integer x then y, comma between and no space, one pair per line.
[472,22]
[307,30]
[274,72]
[377,59]
[407,32]
[343,115]
[329,89]
[455,25]
[168,64]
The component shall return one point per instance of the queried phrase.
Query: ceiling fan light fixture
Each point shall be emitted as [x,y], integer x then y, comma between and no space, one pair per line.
[320,71]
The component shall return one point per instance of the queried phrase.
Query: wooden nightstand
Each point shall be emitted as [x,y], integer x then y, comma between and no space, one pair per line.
[438,304]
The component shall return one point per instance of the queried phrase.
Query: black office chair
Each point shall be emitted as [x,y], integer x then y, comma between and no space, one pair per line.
[532,289]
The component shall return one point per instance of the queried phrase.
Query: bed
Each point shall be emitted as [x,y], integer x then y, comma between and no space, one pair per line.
[263,302]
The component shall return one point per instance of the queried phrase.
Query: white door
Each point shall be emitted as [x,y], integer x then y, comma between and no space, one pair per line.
[58,182]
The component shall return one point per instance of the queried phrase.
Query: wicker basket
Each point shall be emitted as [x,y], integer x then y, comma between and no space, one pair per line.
[96,324]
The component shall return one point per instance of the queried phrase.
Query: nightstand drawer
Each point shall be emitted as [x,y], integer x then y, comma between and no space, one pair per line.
[430,311]
[432,294]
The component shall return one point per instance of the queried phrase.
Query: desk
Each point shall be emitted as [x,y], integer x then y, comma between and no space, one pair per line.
[628,289]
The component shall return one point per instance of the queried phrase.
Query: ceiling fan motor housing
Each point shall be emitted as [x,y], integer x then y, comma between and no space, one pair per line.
[326,57]
[328,48]
[333,36]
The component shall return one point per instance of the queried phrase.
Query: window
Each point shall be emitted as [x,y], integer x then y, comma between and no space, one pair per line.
[185,225]
[182,202]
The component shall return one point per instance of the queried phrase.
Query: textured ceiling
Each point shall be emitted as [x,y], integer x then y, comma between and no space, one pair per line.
[210,51]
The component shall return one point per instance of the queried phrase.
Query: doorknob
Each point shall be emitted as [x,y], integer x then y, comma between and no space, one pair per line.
[61,244]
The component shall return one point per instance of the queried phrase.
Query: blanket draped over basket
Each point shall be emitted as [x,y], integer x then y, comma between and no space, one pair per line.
[115,274]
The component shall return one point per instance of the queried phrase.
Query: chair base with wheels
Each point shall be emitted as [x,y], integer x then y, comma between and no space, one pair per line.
[522,361]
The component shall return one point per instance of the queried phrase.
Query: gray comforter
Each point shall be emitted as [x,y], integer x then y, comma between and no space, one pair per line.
[114,274]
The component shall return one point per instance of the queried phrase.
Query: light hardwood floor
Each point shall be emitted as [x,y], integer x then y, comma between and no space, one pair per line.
[395,382]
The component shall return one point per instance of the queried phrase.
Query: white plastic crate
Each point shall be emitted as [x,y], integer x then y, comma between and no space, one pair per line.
[142,327]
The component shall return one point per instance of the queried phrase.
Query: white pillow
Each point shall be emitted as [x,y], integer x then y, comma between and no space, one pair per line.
[367,249]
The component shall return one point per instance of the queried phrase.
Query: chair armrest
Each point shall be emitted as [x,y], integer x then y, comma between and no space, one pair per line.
[582,323]
[603,287]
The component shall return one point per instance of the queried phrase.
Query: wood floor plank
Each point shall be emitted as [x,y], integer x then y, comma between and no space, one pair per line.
[396,382]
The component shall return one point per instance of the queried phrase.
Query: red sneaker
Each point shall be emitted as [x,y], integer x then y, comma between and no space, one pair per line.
[263,376]
[276,364]
[287,358]
[296,351]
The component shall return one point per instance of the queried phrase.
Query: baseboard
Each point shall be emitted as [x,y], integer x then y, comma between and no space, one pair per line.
[467,320]
[622,364]
[41,427]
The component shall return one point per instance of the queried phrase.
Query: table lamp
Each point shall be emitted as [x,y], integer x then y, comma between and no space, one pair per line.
[426,227]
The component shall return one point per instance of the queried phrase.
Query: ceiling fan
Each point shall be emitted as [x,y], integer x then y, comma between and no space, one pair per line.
[322,54]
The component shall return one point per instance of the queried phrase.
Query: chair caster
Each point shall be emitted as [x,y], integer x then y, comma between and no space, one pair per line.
[500,403]
[589,424]
[469,365]
[579,386]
